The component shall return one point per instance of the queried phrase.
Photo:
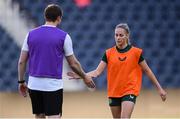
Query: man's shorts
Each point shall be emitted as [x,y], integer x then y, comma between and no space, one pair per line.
[115,101]
[46,102]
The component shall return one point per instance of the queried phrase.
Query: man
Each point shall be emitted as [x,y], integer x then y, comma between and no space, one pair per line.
[44,48]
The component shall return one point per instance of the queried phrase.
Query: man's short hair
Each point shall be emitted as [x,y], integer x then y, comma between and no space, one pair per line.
[52,11]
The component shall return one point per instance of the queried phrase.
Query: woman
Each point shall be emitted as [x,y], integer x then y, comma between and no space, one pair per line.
[124,74]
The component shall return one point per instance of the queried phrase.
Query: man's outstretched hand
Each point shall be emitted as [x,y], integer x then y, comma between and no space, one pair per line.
[73,75]
[87,80]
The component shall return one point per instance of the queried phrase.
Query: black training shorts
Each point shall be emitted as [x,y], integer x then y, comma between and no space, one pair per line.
[46,102]
[115,101]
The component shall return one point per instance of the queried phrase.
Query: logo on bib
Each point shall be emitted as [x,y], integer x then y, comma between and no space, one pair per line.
[122,59]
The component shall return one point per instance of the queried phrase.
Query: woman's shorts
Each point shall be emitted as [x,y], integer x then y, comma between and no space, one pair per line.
[115,101]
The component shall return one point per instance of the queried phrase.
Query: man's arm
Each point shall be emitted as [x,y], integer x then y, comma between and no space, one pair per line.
[22,65]
[21,71]
[76,67]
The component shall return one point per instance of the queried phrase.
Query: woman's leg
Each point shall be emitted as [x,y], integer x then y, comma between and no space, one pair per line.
[127,109]
[116,111]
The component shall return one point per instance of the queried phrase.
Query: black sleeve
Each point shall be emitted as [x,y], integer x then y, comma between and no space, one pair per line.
[141,58]
[104,58]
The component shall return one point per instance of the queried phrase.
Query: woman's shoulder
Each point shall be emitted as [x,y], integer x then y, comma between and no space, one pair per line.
[136,48]
[111,49]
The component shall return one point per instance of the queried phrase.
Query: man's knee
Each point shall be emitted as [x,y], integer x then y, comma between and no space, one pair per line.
[40,116]
[54,117]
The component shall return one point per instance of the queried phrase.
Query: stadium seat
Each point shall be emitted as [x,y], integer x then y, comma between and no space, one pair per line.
[154,26]
[9,53]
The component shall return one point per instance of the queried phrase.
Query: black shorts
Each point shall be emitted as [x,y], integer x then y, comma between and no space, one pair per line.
[46,102]
[115,101]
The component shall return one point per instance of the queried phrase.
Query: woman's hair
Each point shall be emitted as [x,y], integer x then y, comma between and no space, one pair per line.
[125,27]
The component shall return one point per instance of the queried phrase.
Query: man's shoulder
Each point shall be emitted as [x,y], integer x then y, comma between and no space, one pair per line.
[41,28]
[34,29]
[62,31]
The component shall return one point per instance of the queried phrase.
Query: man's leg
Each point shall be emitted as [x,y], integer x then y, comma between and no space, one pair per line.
[37,116]
[53,103]
[54,117]
[37,103]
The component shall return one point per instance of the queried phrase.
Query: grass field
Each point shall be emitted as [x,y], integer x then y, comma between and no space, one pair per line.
[95,105]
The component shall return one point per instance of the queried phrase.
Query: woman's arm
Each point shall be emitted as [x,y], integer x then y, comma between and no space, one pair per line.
[93,73]
[98,70]
[152,77]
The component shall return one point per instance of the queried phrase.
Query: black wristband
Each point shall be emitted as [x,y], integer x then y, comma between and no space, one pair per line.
[21,81]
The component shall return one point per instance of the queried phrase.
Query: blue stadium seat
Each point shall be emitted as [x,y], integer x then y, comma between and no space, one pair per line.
[9,53]
[154,27]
